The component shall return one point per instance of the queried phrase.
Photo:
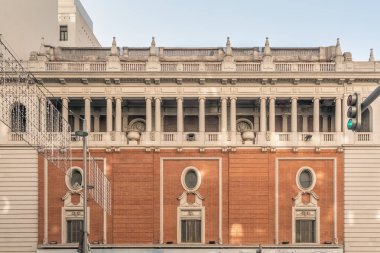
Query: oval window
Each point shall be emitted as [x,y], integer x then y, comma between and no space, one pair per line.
[191,179]
[306,179]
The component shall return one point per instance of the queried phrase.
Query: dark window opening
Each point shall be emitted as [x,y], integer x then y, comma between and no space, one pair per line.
[74,228]
[63,33]
[305,231]
[191,231]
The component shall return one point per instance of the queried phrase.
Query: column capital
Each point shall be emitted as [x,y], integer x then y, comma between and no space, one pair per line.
[316,98]
[111,98]
[87,98]
[65,98]
[233,98]
[272,98]
[223,98]
[148,98]
[285,115]
[202,98]
[179,98]
[118,98]
[338,98]
[157,98]
[292,98]
[261,98]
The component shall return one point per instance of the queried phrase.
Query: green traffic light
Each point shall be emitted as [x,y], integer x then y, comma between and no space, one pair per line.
[349,124]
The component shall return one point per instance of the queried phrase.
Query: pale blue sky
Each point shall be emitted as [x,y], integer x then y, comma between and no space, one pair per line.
[207,23]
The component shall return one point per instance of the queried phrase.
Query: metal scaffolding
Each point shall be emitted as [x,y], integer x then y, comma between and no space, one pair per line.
[25,108]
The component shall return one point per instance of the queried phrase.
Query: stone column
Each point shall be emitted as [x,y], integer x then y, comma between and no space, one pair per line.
[263,114]
[65,109]
[224,114]
[305,126]
[76,123]
[272,114]
[157,108]
[96,121]
[202,115]
[325,121]
[294,115]
[87,113]
[256,125]
[148,114]
[180,115]
[316,115]
[118,115]
[338,115]
[284,123]
[109,114]
[233,114]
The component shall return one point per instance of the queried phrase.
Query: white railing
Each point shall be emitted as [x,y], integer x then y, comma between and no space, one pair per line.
[328,137]
[168,67]
[363,137]
[96,136]
[98,66]
[283,67]
[306,67]
[133,67]
[284,137]
[191,67]
[213,67]
[248,67]
[327,67]
[212,137]
[15,136]
[169,137]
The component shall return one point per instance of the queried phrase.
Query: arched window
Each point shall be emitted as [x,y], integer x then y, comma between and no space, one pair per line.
[18,118]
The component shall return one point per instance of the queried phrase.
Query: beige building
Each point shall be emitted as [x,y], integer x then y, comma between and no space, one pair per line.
[23,24]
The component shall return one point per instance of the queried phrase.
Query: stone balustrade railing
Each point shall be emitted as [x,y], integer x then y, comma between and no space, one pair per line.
[201,67]
[218,139]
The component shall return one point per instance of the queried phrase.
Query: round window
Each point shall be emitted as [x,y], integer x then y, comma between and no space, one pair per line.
[305,179]
[191,179]
[74,179]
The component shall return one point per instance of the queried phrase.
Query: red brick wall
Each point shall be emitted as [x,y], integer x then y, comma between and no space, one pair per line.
[248,195]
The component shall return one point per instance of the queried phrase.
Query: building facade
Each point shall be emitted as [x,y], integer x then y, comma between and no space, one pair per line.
[207,146]
[212,149]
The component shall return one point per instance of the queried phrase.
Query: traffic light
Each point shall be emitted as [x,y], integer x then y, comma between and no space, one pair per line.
[354,112]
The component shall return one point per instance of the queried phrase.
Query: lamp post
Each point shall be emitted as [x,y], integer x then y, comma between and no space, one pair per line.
[84,135]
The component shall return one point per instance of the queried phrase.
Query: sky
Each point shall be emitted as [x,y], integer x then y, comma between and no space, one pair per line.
[207,23]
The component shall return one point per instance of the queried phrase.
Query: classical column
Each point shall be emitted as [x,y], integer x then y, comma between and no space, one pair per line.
[202,115]
[224,114]
[305,127]
[148,114]
[272,114]
[118,115]
[76,123]
[179,114]
[325,121]
[263,114]
[157,118]
[233,114]
[284,123]
[256,125]
[294,115]
[87,113]
[109,114]
[316,114]
[65,109]
[338,115]
[96,121]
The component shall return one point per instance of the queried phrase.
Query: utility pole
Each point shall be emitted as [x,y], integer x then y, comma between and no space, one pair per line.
[84,135]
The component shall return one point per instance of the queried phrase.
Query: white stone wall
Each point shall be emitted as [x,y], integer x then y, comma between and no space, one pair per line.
[362,199]
[24,22]
[18,200]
